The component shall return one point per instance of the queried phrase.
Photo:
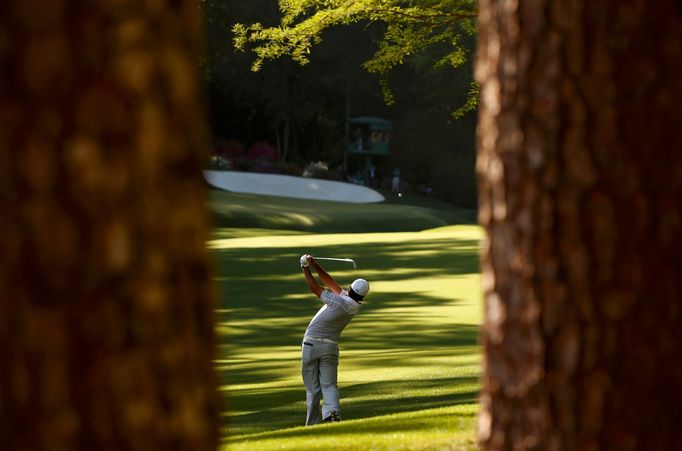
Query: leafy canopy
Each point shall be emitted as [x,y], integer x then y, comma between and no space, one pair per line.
[411,27]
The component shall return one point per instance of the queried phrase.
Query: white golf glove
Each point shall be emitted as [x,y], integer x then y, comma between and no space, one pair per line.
[304,260]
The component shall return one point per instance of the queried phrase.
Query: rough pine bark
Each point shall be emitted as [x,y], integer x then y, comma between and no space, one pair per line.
[106,338]
[580,185]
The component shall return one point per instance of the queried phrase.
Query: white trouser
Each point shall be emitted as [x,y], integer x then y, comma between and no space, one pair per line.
[319,367]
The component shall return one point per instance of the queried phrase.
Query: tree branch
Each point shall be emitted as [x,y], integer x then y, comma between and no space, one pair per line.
[454,16]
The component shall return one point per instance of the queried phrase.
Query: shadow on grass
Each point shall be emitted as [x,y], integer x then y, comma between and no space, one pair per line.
[257,283]
[384,404]
[430,257]
[265,305]
[385,348]
[399,330]
[286,410]
[255,211]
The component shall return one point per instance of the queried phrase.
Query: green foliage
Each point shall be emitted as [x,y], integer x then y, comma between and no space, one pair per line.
[311,99]
[411,27]
[470,105]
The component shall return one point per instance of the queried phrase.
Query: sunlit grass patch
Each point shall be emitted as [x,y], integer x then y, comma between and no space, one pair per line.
[234,232]
[446,428]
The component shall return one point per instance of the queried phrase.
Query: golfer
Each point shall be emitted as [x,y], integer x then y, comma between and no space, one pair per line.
[320,349]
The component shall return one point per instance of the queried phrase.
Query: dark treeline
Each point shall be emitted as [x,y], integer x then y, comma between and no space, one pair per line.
[299,112]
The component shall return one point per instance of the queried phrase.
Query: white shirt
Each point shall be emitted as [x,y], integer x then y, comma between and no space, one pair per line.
[334,315]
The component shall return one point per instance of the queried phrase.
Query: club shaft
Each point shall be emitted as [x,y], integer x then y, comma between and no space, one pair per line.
[334,259]
[350,260]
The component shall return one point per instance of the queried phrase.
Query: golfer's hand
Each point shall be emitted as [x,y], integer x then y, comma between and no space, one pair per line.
[312,262]
[305,260]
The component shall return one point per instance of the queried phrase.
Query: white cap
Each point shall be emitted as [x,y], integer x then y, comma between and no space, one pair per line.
[360,286]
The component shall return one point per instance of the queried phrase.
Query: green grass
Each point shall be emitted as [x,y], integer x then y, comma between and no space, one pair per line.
[236,210]
[409,363]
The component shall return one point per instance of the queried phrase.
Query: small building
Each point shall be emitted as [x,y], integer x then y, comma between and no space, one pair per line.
[370,137]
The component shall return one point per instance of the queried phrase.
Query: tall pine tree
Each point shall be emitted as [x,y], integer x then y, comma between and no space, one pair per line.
[106,338]
[580,175]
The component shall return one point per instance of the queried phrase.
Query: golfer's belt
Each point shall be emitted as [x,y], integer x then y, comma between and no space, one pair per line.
[323,340]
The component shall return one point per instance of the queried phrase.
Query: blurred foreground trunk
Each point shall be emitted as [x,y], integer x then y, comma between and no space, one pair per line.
[106,336]
[580,171]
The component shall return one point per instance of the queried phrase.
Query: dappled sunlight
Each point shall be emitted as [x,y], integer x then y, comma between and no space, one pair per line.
[309,240]
[296,297]
[433,428]
[298,217]
[265,212]
[402,381]
[389,389]
[234,232]
[413,347]
[265,277]
[415,253]
[394,273]
[462,232]
[441,286]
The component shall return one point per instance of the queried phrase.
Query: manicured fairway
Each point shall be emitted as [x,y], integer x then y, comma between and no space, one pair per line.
[270,212]
[409,361]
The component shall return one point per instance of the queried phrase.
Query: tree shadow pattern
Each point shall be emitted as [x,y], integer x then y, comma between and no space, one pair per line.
[258,312]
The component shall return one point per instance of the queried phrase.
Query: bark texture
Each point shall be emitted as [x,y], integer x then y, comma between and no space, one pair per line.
[105,307]
[580,182]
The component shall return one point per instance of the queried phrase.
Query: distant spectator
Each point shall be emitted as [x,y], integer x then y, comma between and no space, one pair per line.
[395,182]
[373,181]
[358,138]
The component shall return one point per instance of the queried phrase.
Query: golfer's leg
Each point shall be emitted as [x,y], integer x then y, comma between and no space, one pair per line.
[311,378]
[329,364]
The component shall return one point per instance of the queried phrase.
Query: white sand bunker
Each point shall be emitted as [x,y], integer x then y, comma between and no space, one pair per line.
[289,186]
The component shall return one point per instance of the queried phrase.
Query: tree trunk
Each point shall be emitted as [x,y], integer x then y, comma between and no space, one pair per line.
[580,185]
[106,338]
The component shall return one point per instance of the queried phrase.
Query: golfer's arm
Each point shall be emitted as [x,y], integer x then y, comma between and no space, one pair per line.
[312,283]
[327,279]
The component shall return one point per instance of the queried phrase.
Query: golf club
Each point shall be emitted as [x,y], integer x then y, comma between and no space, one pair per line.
[338,260]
